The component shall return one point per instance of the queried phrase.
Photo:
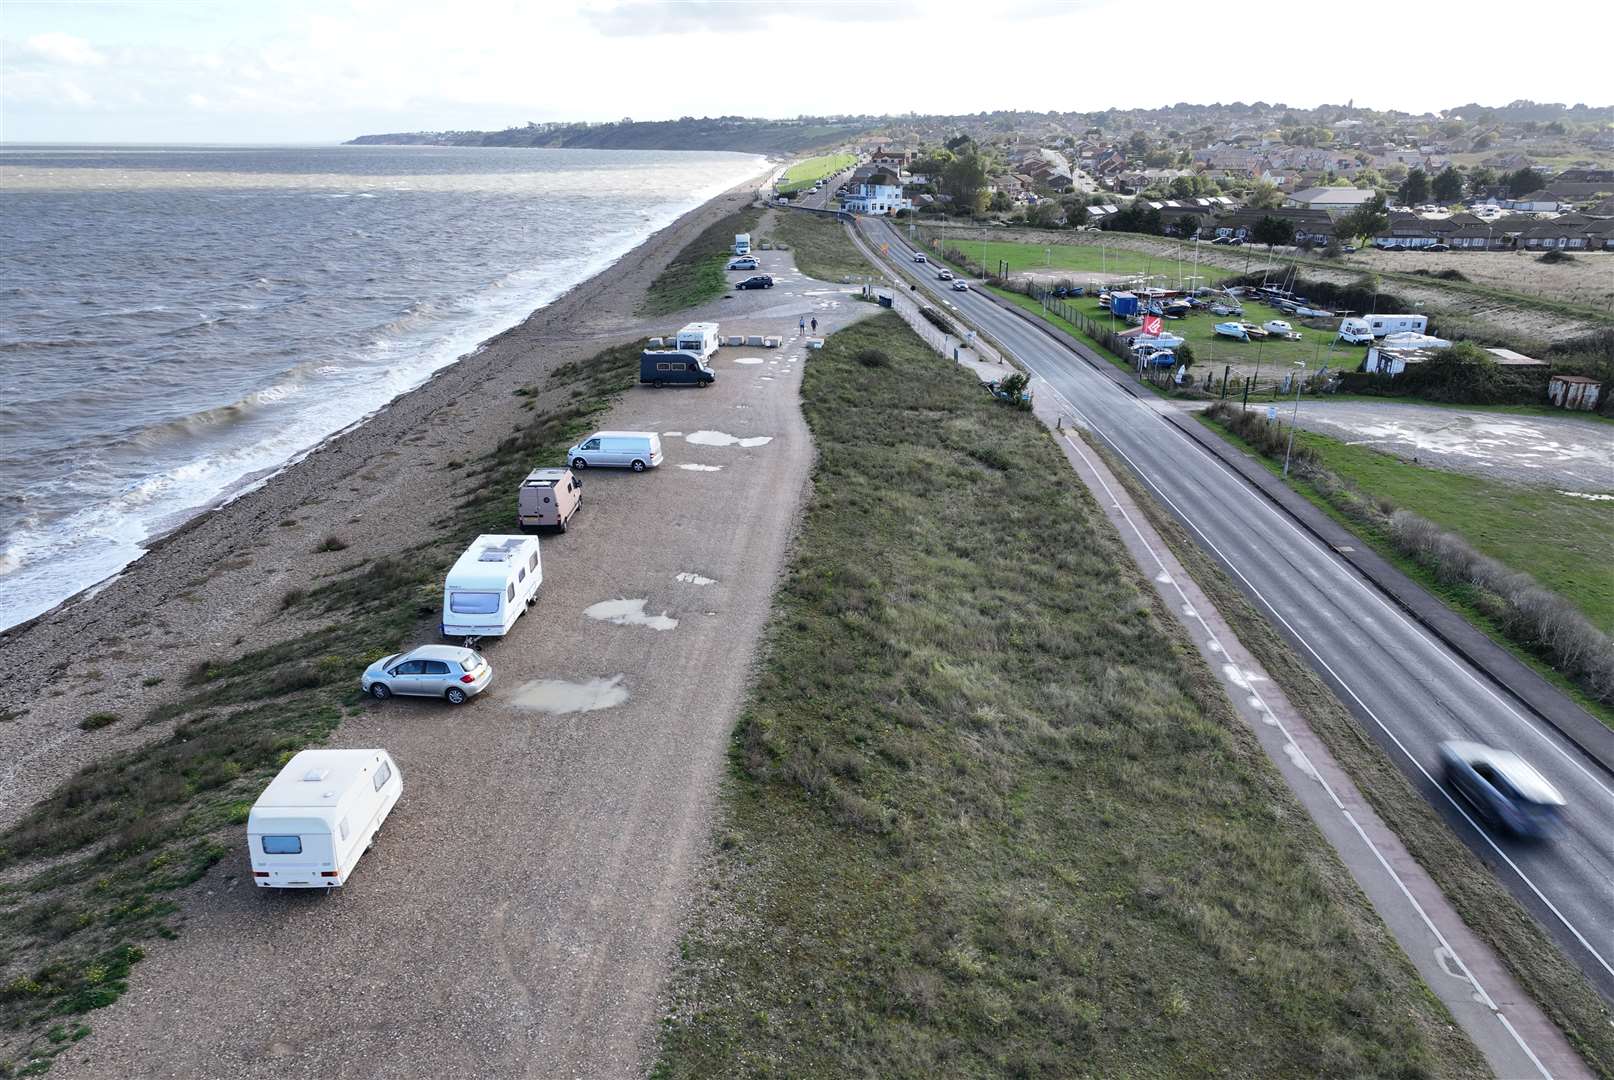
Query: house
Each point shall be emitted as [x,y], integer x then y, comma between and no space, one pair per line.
[894,160]
[1311,227]
[1566,233]
[1407,231]
[880,192]
[1536,202]
[1329,198]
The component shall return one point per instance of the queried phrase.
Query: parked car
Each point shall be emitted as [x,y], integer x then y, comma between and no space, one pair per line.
[444,671]
[1438,247]
[944,275]
[1506,790]
[1222,240]
[549,497]
[758,281]
[919,256]
[744,262]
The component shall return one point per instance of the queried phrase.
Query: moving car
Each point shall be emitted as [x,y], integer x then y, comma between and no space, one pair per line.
[758,281]
[443,671]
[919,256]
[744,262]
[961,286]
[1505,789]
[944,275]
[319,816]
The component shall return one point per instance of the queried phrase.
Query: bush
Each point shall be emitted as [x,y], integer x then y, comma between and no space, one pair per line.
[1556,257]
[98,720]
[332,543]
[938,320]
[872,358]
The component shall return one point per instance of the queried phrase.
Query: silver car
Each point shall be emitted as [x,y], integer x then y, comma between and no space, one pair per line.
[441,671]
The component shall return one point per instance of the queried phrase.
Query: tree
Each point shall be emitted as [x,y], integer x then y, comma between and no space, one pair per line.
[1481,177]
[1182,187]
[1369,219]
[1264,196]
[1447,186]
[1524,181]
[1075,212]
[964,178]
[1186,226]
[1001,203]
[1414,189]
[1272,231]
[1044,215]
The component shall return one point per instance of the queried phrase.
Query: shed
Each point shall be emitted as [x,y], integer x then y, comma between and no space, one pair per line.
[1123,303]
[1509,358]
[1574,392]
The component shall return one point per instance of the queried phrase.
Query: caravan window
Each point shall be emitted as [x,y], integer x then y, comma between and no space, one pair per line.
[382,775]
[532,560]
[510,592]
[344,828]
[473,603]
[282,845]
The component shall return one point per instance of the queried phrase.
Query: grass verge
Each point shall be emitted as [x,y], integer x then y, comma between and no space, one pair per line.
[821,246]
[91,871]
[695,274]
[986,817]
[1488,611]
[1555,984]
[804,174]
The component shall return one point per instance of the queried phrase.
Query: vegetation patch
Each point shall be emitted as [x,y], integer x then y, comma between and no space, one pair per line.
[986,817]
[1547,624]
[98,720]
[95,865]
[804,174]
[821,247]
[695,274]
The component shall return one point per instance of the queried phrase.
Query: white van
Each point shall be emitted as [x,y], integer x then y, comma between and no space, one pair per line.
[636,450]
[490,585]
[700,338]
[313,822]
[1355,332]
[742,243]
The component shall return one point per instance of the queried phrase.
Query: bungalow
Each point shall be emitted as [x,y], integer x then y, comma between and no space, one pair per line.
[1329,198]
[1311,226]
[1567,233]
[1537,202]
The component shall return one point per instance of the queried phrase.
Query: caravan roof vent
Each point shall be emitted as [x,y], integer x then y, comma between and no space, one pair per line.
[314,776]
[500,552]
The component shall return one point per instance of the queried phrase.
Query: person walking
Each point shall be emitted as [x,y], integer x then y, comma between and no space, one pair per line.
[815,324]
[801,324]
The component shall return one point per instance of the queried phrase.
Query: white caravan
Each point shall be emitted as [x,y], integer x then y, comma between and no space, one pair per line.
[319,816]
[700,338]
[490,585]
[1397,324]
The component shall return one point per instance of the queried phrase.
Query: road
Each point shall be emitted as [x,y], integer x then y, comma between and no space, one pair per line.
[1409,690]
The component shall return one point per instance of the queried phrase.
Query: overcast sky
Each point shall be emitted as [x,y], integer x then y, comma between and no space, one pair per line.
[303,71]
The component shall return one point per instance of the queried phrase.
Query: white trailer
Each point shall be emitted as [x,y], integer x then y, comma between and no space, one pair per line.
[700,338]
[490,586]
[316,819]
[1397,324]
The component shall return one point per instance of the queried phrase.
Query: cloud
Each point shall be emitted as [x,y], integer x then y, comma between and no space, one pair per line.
[643,18]
[59,48]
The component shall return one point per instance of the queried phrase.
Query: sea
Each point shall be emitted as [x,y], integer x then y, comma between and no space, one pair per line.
[179,322]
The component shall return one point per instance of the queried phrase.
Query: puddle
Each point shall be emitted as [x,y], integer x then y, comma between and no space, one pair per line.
[1299,759]
[1190,612]
[693,579]
[748,359]
[628,613]
[1163,578]
[701,468]
[1233,675]
[561,697]
[720,438]
[1588,495]
[765,378]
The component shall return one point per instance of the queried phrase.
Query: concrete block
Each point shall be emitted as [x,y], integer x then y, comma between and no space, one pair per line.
[735,339]
[755,341]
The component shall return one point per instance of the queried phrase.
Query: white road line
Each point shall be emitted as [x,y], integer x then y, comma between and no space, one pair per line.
[1260,704]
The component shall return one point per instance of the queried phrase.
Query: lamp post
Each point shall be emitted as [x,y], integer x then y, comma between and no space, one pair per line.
[1301,364]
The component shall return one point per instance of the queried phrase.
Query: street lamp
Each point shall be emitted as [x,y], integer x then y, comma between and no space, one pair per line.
[1301,364]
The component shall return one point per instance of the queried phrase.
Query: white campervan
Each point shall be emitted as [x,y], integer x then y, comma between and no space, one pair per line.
[699,338]
[319,816]
[1355,332]
[636,450]
[490,585]
[742,243]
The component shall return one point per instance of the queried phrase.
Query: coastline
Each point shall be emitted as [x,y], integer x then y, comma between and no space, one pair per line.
[212,582]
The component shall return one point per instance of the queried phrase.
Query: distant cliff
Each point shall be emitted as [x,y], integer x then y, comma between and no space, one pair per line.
[706,133]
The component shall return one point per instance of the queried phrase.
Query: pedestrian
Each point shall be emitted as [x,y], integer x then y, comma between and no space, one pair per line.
[815,324]
[801,324]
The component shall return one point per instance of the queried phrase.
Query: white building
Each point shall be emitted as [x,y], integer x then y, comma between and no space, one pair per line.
[878,193]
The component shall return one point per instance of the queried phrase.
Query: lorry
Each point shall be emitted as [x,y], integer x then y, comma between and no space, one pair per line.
[490,586]
[317,818]
[700,338]
[673,367]
[742,243]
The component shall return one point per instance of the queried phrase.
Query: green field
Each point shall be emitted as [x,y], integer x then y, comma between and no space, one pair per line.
[804,174]
[820,246]
[987,816]
[1111,261]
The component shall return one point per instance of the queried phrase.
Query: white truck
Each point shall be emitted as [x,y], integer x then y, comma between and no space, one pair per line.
[742,243]
[700,338]
[490,586]
[316,819]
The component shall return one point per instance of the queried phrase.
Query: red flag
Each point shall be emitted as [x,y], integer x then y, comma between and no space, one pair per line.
[1151,326]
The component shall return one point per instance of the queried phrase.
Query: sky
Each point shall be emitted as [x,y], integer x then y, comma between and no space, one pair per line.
[304,71]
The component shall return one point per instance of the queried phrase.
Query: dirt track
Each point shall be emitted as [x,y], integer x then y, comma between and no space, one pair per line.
[519,912]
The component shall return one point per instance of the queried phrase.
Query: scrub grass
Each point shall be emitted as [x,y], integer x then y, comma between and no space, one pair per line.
[821,246]
[1114,263]
[986,817]
[1486,907]
[91,871]
[695,274]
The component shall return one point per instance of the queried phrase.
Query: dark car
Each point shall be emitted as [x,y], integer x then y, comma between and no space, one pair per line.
[760,281]
[1506,791]
[1438,247]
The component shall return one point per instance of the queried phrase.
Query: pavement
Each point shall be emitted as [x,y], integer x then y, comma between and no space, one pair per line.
[1566,453]
[1409,688]
[520,911]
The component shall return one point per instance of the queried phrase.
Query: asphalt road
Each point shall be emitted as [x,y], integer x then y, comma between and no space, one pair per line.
[1410,691]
